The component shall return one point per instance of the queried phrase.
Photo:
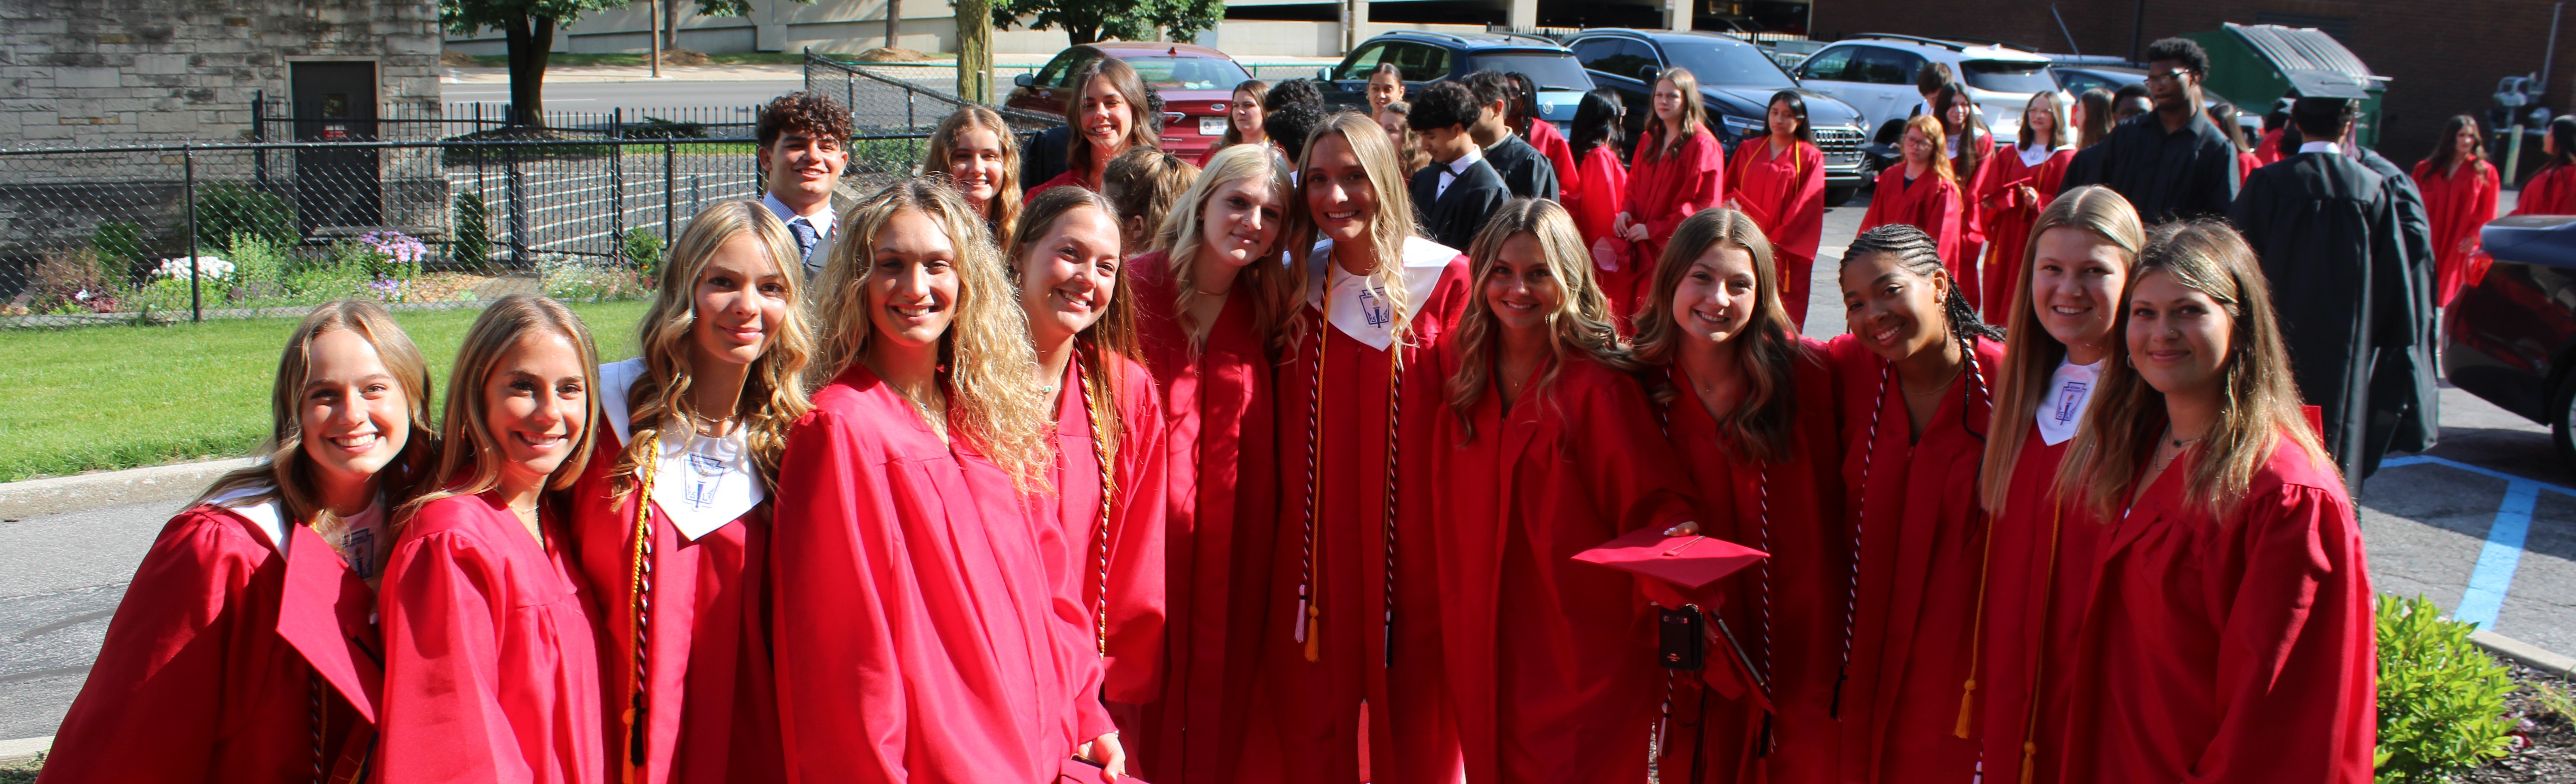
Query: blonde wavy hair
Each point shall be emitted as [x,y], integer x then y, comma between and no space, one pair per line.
[1275,292]
[464,441]
[773,394]
[1579,326]
[1388,229]
[1107,340]
[2260,402]
[1004,209]
[985,358]
[285,474]
[2031,355]
[1767,350]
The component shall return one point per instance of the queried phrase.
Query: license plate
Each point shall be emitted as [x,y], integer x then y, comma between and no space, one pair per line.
[1212,126]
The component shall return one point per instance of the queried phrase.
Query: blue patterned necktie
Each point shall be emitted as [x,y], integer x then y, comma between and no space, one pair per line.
[805,237]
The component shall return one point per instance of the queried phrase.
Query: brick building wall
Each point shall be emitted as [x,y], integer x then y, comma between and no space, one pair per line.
[82,73]
[2442,58]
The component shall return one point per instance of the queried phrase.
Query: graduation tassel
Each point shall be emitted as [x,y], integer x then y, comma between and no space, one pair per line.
[2029,751]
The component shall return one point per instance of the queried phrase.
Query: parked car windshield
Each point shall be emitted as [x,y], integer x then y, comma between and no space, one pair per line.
[2006,76]
[1733,66]
[1188,73]
[1551,70]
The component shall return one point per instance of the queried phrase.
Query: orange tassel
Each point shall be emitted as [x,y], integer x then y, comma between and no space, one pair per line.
[1312,614]
[1967,701]
[2029,750]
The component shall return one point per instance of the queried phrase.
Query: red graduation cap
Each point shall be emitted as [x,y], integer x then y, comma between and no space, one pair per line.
[1682,566]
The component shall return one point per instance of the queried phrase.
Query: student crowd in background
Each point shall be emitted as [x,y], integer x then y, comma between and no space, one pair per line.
[1298,463]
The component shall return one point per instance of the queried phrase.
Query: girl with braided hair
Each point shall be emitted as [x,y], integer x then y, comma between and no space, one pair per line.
[1749,409]
[693,433]
[1917,391]
[1548,447]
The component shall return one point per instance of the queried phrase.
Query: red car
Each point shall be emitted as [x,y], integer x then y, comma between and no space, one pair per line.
[1196,82]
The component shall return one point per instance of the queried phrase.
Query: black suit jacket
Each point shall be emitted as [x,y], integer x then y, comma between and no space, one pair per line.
[1526,172]
[1453,218]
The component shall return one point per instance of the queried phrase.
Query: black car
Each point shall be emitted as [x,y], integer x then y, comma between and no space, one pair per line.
[1430,57]
[2513,332]
[1736,82]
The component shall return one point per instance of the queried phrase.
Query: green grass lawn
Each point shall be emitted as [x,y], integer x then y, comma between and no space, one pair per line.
[103,398]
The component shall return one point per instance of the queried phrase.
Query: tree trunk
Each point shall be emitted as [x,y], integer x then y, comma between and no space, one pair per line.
[1084,34]
[894,24]
[975,50]
[531,40]
[670,23]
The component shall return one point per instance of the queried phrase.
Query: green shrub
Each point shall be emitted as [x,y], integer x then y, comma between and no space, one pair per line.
[2441,699]
[229,209]
[329,281]
[473,247]
[644,251]
[119,246]
[259,267]
[577,280]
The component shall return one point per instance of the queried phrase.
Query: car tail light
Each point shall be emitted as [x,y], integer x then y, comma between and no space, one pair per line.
[2479,261]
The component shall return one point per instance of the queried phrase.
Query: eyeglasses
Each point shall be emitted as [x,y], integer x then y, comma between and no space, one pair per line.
[2168,75]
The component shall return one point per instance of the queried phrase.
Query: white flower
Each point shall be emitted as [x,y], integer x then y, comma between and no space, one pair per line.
[209,266]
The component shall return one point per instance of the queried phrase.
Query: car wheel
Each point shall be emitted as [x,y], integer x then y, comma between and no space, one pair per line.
[2562,421]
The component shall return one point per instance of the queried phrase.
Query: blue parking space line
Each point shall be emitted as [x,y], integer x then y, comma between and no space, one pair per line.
[2492,578]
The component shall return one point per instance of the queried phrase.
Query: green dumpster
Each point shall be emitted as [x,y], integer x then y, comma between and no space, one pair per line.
[2249,65]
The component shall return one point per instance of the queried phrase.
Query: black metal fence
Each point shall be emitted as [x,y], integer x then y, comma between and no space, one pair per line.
[92,235]
[900,98]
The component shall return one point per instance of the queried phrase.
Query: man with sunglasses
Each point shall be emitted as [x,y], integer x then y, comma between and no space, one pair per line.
[2171,163]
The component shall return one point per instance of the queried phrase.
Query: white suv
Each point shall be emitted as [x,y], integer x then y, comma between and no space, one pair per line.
[1874,72]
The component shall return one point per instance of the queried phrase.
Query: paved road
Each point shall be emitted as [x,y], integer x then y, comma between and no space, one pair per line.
[2428,527]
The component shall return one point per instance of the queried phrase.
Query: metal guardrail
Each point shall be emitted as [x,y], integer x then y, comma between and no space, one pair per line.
[94,233]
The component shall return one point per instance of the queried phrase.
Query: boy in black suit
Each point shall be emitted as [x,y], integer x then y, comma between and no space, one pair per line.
[1526,172]
[1456,193]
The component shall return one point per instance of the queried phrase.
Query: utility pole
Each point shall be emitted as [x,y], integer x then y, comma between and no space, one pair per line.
[894,23]
[656,13]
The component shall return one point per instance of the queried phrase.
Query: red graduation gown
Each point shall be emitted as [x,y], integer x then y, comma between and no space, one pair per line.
[1220,515]
[491,673]
[711,707]
[2009,218]
[1070,537]
[2230,649]
[1306,713]
[1551,143]
[1809,576]
[2458,205]
[1785,195]
[917,638]
[2268,150]
[1595,195]
[1065,177]
[2550,192]
[1551,662]
[217,658]
[2038,566]
[1921,538]
[1929,203]
[1972,233]
[1661,193]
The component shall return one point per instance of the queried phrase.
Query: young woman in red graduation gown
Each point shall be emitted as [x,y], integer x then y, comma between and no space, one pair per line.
[1108,117]
[1750,410]
[2228,632]
[1100,519]
[1358,396]
[2552,189]
[2460,193]
[1208,309]
[245,648]
[1920,191]
[1780,183]
[491,672]
[917,636]
[1678,170]
[1549,448]
[2021,181]
[1599,186]
[1917,391]
[976,149]
[1970,149]
[2038,557]
[692,431]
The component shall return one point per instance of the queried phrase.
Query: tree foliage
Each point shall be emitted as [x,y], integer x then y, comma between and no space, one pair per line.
[1087,21]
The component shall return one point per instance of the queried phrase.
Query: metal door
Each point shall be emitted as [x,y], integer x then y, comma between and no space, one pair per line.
[335,102]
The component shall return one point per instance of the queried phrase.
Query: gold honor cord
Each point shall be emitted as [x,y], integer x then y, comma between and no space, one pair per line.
[1309,614]
[640,604]
[1108,490]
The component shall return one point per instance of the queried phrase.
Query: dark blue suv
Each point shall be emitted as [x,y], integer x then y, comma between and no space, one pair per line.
[1736,82]
[1429,57]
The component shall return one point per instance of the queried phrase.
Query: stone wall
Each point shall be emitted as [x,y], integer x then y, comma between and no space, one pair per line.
[76,73]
